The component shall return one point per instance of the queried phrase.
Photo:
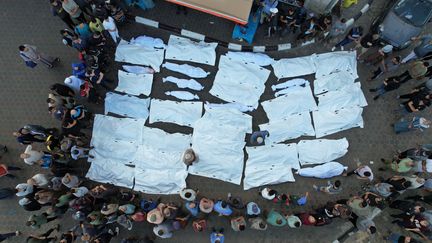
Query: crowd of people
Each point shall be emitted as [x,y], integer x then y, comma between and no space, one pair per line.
[100,211]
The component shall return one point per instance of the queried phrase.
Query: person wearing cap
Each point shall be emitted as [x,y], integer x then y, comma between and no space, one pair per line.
[258,223]
[272,20]
[188,194]
[253,209]
[74,83]
[267,5]
[189,157]
[163,230]
[222,208]
[206,205]
[258,137]
[238,223]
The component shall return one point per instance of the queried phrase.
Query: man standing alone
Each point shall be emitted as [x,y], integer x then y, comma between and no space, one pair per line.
[30,54]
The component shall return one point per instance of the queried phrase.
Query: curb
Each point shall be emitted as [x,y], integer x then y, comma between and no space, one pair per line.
[235,46]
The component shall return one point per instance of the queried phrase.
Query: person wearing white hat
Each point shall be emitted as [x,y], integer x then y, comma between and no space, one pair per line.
[267,5]
[74,83]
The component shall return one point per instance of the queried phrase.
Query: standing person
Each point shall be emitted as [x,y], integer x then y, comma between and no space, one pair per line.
[217,236]
[258,137]
[95,25]
[62,90]
[268,193]
[83,31]
[188,194]
[57,10]
[417,70]
[67,36]
[276,219]
[286,22]
[4,170]
[310,29]
[111,27]
[73,10]
[421,50]
[354,35]
[389,84]
[267,5]
[25,137]
[30,54]
[36,221]
[338,28]
[74,83]
[387,66]
[43,238]
[366,42]
[97,78]
[6,193]
[365,224]
[272,21]
[417,123]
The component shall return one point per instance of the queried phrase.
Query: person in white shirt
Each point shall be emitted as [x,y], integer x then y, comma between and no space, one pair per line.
[80,191]
[23,189]
[39,180]
[111,27]
[30,156]
[268,193]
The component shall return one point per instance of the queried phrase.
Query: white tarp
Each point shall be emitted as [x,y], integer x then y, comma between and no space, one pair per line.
[183,95]
[329,122]
[108,127]
[184,49]
[184,83]
[324,171]
[333,81]
[293,126]
[297,100]
[181,113]
[186,69]
[327,63]
[259,59]
[294,67]
[112,172]
[126,105]
[270,164]
[219,139]
[160,181]
[136,54]
[348,96]
[321,151]
[118,150]
[134,84]
[239,82]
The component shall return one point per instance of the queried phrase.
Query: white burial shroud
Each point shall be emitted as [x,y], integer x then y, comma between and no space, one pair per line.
[329,122]
[321,151]
[134,84]
[270,164]
[186,69]
[290,127]
[184,83]
[136,54]
[259,59]
[108,127]
[126,105]
[112,172]
[182,113]
[324,171]
[327,63]
[239,82]
[348,96]
[294,67]
[218,139]
[297,100]
[332,82]
[184,49]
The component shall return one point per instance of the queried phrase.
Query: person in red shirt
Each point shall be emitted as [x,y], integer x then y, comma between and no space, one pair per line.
[4,170]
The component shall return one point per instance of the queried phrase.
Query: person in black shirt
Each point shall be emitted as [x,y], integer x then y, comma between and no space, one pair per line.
[388,84]
[25,137]
[286,22]
[57,10]
[67,37]
[97,40]
[366,42]
[62,90]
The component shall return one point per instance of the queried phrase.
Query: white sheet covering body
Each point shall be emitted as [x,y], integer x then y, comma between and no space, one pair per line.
[218,139]
[333,81]
[327,63]
[181,113]
[237,106]
[348,96]
[186,69]
[239,82]
[108,127]
[126,105]
[184,49]
[290,127]
[184,83]
[330,122]
[112,172]
[294,67]
[160,181]
[270,164]
[297,100]
[321,151]
[148,41]
[183,95]
[259,59]
[137,54]
[324,171]
[134,84]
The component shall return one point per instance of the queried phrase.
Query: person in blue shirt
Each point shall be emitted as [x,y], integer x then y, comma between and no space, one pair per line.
[222,208]
[258,137]
[217,237]
[193,208]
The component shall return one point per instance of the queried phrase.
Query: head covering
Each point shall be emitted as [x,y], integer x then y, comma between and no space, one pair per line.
[155,216]
[24,201]
[253,209]
[109,209]
[68,80]
[274,10]
[387,49]
[206,205]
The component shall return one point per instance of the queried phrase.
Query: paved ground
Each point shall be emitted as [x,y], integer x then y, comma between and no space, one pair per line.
[23,101]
